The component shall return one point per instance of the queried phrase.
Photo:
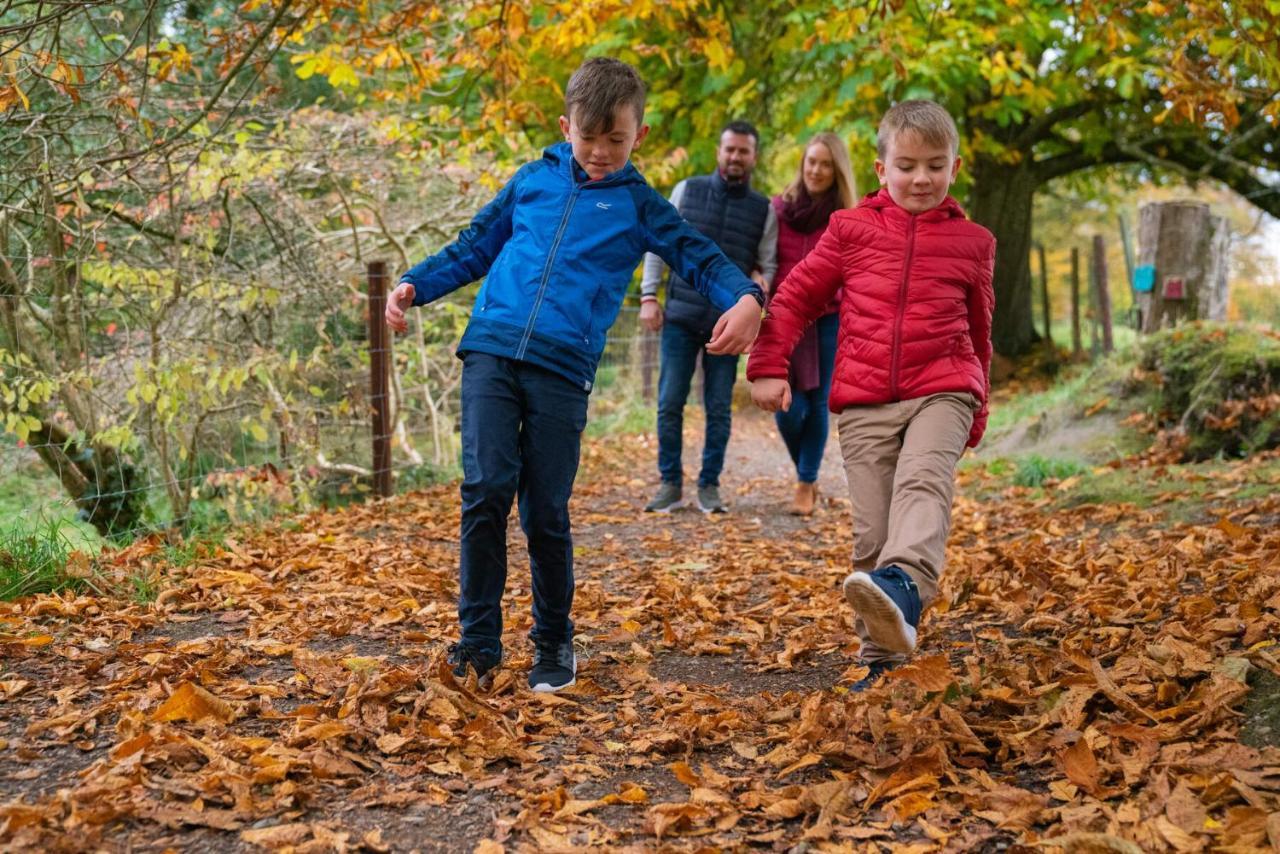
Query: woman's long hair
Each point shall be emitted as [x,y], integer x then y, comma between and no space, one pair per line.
[847,193]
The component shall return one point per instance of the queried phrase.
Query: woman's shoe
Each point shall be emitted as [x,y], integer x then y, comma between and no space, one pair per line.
[805,500]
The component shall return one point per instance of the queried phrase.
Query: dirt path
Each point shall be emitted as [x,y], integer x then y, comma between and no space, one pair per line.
[1079,675]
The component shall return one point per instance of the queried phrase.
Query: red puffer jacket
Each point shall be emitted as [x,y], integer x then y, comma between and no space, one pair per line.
[915,305]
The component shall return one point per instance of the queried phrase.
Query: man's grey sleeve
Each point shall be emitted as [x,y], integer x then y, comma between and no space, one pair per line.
[767,251]
[653,266]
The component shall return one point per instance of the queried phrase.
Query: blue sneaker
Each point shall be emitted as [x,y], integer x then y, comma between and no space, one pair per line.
[888,602]
[463,658]
[876,670]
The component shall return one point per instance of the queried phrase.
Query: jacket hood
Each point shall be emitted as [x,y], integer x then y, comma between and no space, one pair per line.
[881,200]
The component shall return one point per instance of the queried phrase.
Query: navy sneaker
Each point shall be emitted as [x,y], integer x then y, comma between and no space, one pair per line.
[888,602]
[876,669]
[555,666]
[464,657]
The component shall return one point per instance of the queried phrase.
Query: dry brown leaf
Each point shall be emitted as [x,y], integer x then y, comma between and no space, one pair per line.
[932,673]
[277,835]
[1080,765]
[1090,843]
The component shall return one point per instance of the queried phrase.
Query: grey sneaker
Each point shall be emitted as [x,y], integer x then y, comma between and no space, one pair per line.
[709,500]
[669,497]
[555,666]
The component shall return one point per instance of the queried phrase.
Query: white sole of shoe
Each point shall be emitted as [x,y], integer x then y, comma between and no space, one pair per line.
[885,621]
[547,688]
[665,510]
[709,510]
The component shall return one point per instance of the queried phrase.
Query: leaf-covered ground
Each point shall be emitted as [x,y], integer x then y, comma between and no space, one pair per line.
[1083,684]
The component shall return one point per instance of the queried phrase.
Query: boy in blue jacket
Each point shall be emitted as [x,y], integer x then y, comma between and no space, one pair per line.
[557,249]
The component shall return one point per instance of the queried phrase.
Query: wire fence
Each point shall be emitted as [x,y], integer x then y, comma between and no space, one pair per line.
[359,415]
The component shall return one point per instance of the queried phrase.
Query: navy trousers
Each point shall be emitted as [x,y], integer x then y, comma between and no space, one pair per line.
[521,437]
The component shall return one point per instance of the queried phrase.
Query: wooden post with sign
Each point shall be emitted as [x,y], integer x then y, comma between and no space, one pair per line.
[1183,255]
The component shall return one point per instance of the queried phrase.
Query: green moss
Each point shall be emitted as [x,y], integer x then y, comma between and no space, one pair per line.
[1201,377]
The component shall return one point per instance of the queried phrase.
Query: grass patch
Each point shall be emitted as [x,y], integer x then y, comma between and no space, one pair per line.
[1035,470]
[1077,390]
[620,414]
[36,561]
[31,498]
[1176,493]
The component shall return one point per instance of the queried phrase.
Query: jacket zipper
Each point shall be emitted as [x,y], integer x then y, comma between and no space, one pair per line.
[902,311]
[546,272]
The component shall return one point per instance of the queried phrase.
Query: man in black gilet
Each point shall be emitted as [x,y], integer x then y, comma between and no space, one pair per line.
[741,221]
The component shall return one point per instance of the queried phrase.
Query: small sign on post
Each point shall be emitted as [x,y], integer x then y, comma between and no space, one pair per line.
[1175,288]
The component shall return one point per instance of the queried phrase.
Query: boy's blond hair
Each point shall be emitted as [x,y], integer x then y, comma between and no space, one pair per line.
[926,119]
[845,186]
[598,88]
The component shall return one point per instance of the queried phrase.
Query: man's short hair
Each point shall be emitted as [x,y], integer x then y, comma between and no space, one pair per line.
[598,88]
[743,127]
[927,120]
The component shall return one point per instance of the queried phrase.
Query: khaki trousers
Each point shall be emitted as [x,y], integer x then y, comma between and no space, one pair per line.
[900,459]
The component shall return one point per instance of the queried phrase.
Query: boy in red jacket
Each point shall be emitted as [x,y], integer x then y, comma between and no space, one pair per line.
[913,277]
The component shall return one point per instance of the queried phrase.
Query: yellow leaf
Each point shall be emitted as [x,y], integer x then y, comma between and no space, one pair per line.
[192,703]
[321,732]
[633,794]
[685,774]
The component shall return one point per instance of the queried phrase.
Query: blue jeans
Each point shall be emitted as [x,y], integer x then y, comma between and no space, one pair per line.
[679,355]
[521,433]
[804,426]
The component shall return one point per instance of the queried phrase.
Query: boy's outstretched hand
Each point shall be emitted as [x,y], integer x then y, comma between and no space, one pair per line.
[771,394]
[736,328]
[397,301]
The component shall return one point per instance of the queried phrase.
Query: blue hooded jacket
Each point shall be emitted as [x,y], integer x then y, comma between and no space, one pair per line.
[559,251]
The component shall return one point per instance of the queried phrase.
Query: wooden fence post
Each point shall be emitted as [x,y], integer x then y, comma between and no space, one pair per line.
[1103,294]
[1044,302]
[648,360]
[1077,346]
[379,376]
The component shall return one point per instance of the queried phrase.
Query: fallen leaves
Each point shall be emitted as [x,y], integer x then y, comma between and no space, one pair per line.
[1079,689]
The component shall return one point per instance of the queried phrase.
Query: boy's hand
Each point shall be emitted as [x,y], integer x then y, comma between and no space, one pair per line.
[651,315]
[736,328]
[397,301]
[771,394]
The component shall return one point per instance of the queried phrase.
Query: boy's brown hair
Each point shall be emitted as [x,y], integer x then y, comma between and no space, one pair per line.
[927,120]
[598,88]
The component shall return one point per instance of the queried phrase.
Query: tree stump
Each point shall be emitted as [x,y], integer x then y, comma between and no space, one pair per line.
[1183,254]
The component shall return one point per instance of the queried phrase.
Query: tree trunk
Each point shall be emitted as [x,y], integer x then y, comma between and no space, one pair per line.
[1001,200]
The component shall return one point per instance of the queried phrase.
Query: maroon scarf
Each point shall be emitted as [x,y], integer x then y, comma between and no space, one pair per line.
[806,214]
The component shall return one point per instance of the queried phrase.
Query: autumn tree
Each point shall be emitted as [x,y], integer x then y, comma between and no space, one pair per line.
[1041,89]
[176,242]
